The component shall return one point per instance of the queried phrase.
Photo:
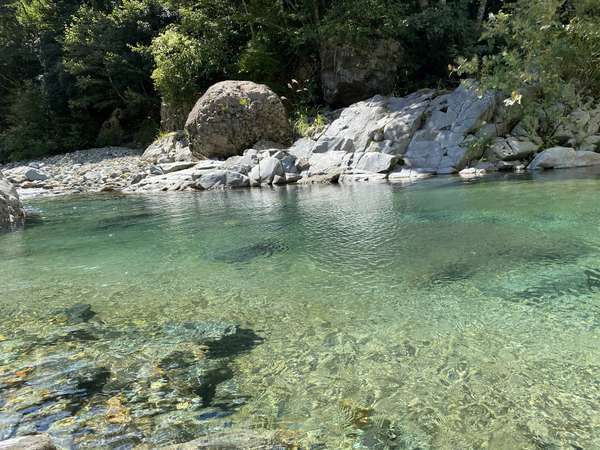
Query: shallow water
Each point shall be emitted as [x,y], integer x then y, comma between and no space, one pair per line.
[443,314]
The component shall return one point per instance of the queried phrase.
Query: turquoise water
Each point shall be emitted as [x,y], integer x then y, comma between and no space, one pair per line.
[444,314]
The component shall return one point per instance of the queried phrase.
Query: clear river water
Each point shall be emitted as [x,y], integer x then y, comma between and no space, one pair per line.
[444,314]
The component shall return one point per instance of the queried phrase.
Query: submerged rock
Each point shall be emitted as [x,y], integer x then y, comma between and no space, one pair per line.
[35,442]
[250,252]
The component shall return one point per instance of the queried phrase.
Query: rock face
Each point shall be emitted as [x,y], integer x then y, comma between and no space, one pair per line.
[350,74]
[564,157]
[441,145]
[11,209]
[381,124]
[170,148]
[234,115]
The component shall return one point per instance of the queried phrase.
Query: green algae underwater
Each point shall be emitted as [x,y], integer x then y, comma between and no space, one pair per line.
[444,315]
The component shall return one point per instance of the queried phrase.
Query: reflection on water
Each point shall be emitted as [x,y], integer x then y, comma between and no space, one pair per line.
[437,315]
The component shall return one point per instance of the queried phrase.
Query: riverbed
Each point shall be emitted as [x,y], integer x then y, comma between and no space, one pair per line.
[442,314]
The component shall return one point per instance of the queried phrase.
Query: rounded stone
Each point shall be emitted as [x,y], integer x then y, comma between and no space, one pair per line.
[234,115]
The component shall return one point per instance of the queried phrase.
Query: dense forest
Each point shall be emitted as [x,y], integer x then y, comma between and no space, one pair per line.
[76,74]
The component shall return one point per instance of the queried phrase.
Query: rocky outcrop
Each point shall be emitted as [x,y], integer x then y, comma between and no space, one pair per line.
[11,209]
[442,145]
[169,148]
[563,158]
[350,73]
[234,115]
[380,124]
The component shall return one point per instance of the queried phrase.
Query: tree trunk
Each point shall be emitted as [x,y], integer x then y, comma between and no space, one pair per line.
[423,4]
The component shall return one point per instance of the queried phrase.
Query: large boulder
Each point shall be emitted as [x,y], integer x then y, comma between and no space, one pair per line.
[563,158]
[234,115]
[442,145]
[350,73]
[11,209]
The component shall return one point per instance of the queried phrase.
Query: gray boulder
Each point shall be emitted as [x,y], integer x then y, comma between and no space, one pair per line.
[11,209]
[221,179]
[350,73]
[25,173]
[375,162]
[234,115]
[169,148]
[563,158]
[511,149]
[268,171]
[242,164]
[441,145]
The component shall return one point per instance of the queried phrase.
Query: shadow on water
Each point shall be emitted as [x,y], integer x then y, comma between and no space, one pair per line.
[124,221]
[247,253]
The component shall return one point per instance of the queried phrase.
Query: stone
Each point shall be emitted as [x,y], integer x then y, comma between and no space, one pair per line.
[265,171]
[33,442]
[232,116]
[350,73]
[176,166]
[169,148]
[511,149]
[25,173]
[564,157]
[376,162]
[472,172]
[389,122]
[323,163]
[407,173]
[360,176]
[442,144]
[11,208]
[223,179]
[242,164]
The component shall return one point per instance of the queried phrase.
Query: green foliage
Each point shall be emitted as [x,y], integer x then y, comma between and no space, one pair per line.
[543,44]
[308,122]
[76,74]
